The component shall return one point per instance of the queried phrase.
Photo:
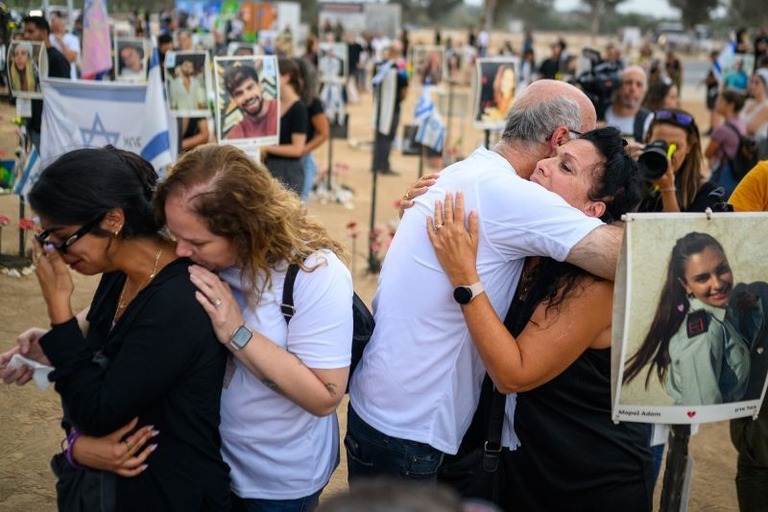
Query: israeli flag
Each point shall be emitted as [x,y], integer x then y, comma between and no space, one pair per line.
[725,59]
[424,106]
[156,138]
[84,113]
[29,174]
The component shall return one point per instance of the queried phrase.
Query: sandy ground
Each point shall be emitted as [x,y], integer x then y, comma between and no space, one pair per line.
[29,431]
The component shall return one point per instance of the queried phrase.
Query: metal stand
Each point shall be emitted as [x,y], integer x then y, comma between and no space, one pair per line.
[487,138]
[421,160]
[22,238]
[447,140]
[330,161]
[674,474]
[374,264]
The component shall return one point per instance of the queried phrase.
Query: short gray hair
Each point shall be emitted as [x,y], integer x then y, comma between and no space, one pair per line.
[537,121]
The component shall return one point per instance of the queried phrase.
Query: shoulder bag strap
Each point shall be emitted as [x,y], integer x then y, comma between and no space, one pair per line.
[290,278]
[492,447]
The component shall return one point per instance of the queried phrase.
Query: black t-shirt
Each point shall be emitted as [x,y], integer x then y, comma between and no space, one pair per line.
[354,50]
[651,201]
[549,68]
[294,120]
[58,67]
[314,108]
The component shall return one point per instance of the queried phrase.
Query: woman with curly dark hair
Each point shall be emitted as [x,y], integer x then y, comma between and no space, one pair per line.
[554,348]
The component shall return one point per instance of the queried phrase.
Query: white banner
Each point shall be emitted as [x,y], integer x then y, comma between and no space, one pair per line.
[81,113]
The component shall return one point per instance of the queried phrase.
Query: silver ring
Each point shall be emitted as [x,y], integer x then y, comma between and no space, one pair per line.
[217,302]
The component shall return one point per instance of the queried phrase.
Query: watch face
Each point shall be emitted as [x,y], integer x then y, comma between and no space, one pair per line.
[241,337]
[462,294]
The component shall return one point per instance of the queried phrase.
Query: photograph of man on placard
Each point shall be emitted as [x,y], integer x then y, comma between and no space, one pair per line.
[692,339]
[495,90]
[187,82]
[248,100]
[131,60]
[23,69]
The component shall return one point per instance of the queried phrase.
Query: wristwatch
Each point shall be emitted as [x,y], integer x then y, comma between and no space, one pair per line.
[240,338]
[465,294]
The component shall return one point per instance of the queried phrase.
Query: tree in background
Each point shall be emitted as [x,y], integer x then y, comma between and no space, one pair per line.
[598,9]
[695,12]
[748,12]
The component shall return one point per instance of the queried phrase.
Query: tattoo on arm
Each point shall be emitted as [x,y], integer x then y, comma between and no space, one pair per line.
[331,387]
[272,385]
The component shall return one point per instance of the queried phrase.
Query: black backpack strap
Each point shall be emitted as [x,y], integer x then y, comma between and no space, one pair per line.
[492,446]
[639,127]
[290,278]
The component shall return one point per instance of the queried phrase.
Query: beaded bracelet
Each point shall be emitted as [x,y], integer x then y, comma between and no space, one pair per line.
[72,437]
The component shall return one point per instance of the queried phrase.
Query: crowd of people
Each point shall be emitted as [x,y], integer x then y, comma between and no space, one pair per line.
[236,405]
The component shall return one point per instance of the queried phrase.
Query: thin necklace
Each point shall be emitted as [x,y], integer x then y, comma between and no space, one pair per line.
[121,303]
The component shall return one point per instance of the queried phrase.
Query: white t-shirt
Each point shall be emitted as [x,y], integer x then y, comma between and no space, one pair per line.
[420,376]
[626,124]
[72,42]
[276,449]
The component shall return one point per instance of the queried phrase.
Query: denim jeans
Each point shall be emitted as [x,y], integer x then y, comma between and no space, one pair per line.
[305,504]
[372,453]
[310,170]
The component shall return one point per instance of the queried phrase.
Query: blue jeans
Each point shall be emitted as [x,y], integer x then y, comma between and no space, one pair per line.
[305,504]
[310,170]
[371,453]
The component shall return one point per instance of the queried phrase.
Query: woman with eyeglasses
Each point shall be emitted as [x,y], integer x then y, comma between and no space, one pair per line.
[680,189]
[140,370]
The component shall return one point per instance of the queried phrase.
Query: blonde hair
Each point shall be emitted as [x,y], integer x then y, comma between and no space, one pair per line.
[23,82]
[239,200]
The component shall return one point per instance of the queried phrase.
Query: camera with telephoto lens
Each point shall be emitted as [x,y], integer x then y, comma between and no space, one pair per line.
[653,161]
[599,82]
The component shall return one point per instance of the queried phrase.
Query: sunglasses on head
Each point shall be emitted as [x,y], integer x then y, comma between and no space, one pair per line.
[62,246]
[679,118]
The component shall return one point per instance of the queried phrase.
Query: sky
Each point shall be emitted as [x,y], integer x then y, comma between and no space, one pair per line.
[657,8]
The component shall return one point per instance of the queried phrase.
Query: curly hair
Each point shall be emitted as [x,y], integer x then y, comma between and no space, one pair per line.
[617,185]
[239,200]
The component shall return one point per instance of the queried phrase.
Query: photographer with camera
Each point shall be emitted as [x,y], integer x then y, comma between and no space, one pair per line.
[672,164]
[626,111]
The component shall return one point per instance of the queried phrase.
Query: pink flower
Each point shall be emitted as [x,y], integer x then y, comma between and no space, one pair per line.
[27,224]
[4,221]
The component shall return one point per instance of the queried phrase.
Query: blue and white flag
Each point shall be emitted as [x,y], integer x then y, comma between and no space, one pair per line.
[725,59]
[424,106]
[431,132]
[431,128]
[82,113]
[29,174]
[156,138]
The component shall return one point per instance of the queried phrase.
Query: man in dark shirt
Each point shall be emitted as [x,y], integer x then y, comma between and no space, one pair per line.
[36,28]
[383,141]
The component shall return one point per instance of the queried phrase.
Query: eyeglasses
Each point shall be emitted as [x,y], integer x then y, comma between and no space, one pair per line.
[74,237]
[680,118]
[577,134]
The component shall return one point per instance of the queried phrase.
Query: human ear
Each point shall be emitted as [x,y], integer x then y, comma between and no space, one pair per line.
[595,209]
[113,220]
[559,137]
